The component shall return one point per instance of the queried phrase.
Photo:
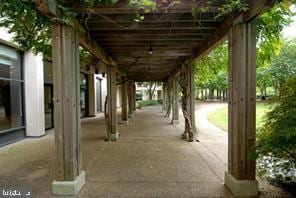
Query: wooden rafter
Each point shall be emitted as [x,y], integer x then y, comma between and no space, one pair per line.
[50,9]
[174,33]
[256,8]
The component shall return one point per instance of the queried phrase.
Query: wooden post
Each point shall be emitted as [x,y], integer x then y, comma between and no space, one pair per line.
[175,98]
[240,178]
[124,102]
[191,97]
[113,133]
[169,99]
[91,95]
[134,96]
[130,98]
[188,100]
[66,80]
[164,104]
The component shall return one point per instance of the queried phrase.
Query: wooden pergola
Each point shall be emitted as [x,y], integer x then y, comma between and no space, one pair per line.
[121,37]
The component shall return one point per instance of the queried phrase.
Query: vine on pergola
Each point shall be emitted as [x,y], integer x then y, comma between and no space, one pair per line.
[169,99]
[184,80]
[32,30]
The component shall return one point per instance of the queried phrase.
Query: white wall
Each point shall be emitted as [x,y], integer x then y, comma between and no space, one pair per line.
[34,94]
[118,95]
[5,35]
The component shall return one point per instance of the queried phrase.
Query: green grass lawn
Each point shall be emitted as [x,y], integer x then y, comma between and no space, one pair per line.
[220,117]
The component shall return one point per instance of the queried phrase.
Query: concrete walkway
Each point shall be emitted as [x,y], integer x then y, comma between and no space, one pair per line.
[149,160]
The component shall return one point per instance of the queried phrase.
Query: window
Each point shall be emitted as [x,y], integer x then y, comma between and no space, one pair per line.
[11,90]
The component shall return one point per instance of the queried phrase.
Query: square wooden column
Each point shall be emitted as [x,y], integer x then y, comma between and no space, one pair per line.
[92,111]
[169,99]
[124,102]
[164,104]
[175,98]
[191,98]
[241,177]
[130,98]
[134,96]
[113,133]
[69,177]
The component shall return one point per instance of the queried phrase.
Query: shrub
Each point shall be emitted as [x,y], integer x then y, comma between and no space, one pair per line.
[276,139]
[159,101]
[143,103]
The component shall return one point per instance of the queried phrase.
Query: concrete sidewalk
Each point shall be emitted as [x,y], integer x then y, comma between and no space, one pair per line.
[149,160]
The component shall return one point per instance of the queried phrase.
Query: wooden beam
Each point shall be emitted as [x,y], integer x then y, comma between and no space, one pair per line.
[153,25]
[152,18]
[123,7]
[256,8]
[50,9]
[86,42]
[147,27]
[152,31]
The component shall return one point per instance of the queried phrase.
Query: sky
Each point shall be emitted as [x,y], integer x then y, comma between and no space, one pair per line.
[291,30]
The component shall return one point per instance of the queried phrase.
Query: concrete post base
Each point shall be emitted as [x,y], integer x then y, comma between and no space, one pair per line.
[68,187]
[241,188]
[114,136]
[123,122]
[175,122]
[130,115]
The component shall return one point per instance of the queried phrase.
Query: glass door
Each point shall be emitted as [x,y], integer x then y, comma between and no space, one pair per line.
[99,94]
[48,105]
[83,95]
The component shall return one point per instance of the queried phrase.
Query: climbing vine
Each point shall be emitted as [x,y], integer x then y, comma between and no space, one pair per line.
[169,99]
[32,30]
[189,132]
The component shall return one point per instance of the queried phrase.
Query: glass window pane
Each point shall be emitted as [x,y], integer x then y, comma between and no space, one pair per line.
[11,115]
[48,72]
[10,66]
[48,106]
[83,80]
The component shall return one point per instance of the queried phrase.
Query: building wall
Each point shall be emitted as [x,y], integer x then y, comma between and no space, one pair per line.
[28,112]
[34,94]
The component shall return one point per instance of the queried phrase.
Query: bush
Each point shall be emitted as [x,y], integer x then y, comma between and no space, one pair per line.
[159,101]
[144,103]
[276,139]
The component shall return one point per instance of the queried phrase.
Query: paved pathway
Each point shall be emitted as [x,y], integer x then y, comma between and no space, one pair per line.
[150,159]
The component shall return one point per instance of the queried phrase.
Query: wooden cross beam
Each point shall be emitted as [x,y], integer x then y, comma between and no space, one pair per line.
[50,9]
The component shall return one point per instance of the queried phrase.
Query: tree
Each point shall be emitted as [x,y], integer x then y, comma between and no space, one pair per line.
[269,27]
[31,30]
[263,80]
[150,88]
[211,71]
[283,66]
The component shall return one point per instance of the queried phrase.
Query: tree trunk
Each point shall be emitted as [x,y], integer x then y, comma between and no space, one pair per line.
[202,94]
[217,96]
